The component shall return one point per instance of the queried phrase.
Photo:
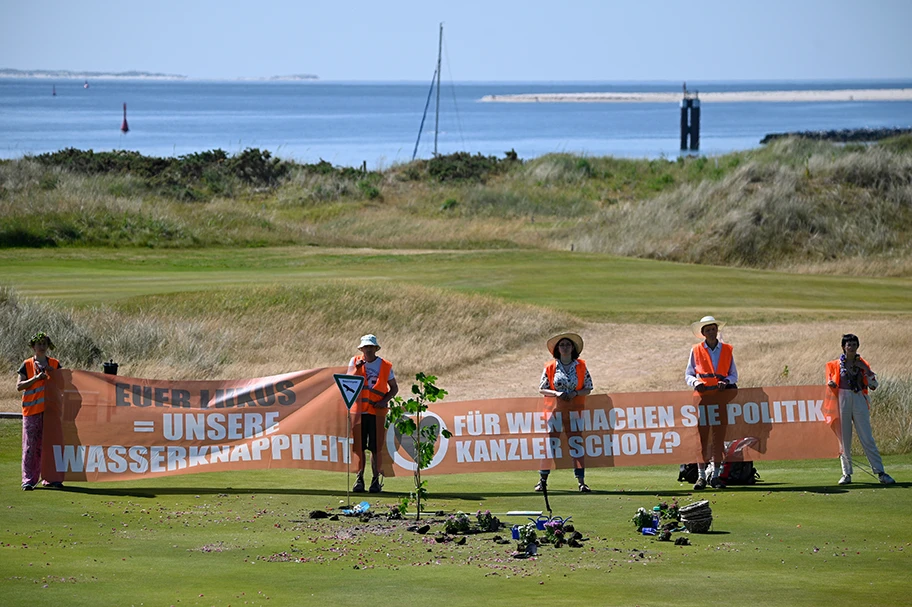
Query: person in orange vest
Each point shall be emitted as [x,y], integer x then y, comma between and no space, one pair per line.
[849,377]
[565,383]
[33,379]
[711,368]
[369,411]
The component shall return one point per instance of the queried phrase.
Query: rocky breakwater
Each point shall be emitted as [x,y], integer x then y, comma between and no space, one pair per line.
[841,135]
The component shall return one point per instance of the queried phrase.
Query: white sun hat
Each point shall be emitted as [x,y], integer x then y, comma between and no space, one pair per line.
[369,340]
[706,320]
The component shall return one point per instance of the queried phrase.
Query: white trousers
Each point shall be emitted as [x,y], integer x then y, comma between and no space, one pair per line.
[853,409]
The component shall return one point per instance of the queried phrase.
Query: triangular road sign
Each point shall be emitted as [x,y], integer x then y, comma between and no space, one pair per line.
[349,386]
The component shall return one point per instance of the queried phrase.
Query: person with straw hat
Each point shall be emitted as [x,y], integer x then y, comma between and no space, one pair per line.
[711,368]
[33,383]
[565,383]
[369,411]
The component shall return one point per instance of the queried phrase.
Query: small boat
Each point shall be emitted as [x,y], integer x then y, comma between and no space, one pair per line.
[124,128]
[86,85]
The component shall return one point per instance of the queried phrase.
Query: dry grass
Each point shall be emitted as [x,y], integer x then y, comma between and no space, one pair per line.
[274,330]
[479,347]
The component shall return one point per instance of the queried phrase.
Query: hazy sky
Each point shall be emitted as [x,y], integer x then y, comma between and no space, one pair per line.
[483,40]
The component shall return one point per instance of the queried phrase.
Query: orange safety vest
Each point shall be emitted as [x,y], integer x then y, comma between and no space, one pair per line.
[831,401]
[703,365]
[371,395]
[33,397]
[832,372]
[552,402]
[551,368]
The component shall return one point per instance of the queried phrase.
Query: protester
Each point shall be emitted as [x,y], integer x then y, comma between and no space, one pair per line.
[850,376]
[369,411]
[33,381]
[711,369]
[565,383]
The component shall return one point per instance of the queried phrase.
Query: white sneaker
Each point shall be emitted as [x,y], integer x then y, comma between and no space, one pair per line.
[846,479]
[885,478]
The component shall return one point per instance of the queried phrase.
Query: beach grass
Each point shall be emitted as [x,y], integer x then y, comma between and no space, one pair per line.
[793,204]
[246,538]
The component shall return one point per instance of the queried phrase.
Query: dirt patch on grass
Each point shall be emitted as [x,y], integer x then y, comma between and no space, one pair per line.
[642,358]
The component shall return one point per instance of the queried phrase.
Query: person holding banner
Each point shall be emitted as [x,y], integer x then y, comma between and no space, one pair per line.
[710,370]
[565,383]
[33,380]
[369,411]
[848,379]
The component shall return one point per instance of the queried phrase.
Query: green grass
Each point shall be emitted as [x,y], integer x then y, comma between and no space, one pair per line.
[791,204]
[591,286]
[206,539]
[796,539]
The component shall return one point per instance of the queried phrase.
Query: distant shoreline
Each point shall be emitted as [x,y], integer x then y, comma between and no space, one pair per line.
[725,97]
[69,75]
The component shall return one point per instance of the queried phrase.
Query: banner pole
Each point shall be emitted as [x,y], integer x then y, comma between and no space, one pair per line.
[348,499]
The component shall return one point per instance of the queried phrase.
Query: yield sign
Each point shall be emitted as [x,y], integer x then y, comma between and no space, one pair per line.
[349,386]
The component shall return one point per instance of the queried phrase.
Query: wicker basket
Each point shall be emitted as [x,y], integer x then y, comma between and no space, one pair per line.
[694,508]
[697,517]
[701,525]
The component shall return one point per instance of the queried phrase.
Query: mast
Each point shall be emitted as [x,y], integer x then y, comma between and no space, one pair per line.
[437,111]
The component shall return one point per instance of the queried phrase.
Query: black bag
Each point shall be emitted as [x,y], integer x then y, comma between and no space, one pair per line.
[688,473]
[739,473]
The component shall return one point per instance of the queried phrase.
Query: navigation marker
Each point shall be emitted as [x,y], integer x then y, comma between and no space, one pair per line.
[349,386]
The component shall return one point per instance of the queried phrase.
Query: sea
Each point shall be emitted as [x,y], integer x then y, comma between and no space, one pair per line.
[381,124]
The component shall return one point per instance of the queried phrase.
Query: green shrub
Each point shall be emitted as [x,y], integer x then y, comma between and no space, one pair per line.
[182,178]
[24,236]
[460,166]
[369,190]
[258,167]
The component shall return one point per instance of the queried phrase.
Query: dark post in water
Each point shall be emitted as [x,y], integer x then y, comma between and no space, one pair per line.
[690,120]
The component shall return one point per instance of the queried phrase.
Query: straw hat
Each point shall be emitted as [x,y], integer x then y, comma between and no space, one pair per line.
[576,339]
[706,320]
[369,340]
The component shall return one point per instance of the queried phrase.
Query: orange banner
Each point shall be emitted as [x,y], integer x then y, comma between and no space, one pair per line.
[104,427]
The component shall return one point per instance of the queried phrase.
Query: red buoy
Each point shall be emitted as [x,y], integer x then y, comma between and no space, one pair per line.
[124,128]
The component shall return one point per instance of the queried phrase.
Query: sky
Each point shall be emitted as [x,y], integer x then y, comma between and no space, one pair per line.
[527,40]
